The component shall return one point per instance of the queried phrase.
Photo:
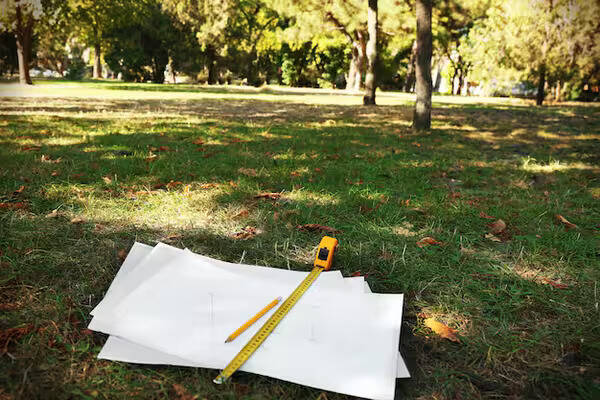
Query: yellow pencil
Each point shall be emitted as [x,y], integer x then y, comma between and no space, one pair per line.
[252,320]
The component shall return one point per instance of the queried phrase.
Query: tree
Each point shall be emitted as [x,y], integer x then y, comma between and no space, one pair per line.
[19,17]
[226,26]
[423,88]
[370,78]
[544,40]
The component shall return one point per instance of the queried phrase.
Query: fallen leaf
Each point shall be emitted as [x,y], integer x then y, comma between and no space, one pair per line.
[428,240]
[107,179]
[198,141]
[77,220]
[182,394]
[172,184]
[55,173]
[484,215]
[442,330]
[317,227]
[248,171]
[53,214]
[492,237]
[77,176]
[122,254]
[416,144]
[48,159]
[246,233]
[555,284]
[9,307]
[241,214]
[31,148]
[386,255]
[44,132]
[359,182]
[268,195]
[497,226]
[568,225]
[19,190]
[12,334]
[151,158]
[209,185]
[13,205]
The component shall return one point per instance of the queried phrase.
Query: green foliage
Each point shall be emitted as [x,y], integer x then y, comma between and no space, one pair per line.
[76,66]
[289,72]
[139,49]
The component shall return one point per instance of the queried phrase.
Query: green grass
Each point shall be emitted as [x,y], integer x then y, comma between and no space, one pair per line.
[336,163]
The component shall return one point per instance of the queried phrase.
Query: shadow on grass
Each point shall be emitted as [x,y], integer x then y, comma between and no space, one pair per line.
[360,171]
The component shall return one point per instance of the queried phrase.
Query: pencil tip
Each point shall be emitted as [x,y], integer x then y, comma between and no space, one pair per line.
[227,340]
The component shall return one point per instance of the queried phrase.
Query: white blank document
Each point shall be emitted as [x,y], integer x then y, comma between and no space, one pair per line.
[169,306]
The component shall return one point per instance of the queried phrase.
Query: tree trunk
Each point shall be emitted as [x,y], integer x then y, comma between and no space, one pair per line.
[362,50]
[211,55]
[461,82]
[97,61]
[438,78]
[370,77]
[557,95]
[541,84]
[24,31]
[410,73]
[351,78]
[422,114]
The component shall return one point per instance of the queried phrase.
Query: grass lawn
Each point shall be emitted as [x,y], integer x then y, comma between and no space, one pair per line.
[86,169]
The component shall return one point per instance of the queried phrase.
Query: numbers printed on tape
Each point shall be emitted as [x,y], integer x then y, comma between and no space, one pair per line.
[268,327]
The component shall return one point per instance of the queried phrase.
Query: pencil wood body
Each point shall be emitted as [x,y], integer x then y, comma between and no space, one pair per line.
[252,320]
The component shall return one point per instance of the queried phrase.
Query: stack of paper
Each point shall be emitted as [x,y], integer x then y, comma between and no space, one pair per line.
[171,306]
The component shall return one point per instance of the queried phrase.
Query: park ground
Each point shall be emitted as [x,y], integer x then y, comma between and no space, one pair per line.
[86,169]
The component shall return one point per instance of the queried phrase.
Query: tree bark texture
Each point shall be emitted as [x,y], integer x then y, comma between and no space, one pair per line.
[541,84]
[409,83]
[97,61]
[423,88]
[23,34]
[371,77]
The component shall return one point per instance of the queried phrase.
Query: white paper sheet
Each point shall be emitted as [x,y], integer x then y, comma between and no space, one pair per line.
[119,349]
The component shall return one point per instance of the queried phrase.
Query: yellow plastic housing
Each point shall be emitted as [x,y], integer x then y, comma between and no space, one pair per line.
[324,256]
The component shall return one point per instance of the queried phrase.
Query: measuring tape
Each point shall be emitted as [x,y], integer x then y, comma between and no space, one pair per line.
[323,261]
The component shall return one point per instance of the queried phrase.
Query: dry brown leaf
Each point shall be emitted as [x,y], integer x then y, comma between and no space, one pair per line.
[107,179]
[172,184]
[568,225]
[11,334]
[317,227]
[122,254]
[19,190]
[209,185]
[246,233]
[182,394]
[442,330]
[428,240]
[268,195]
[31,148]
[492,237]
[248,171]
[497,227]
[48,159]
[13,205]
[198,141]
[151,158]
[242,214]
[555,284]
[484,215]
[77,220]
[53,214]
